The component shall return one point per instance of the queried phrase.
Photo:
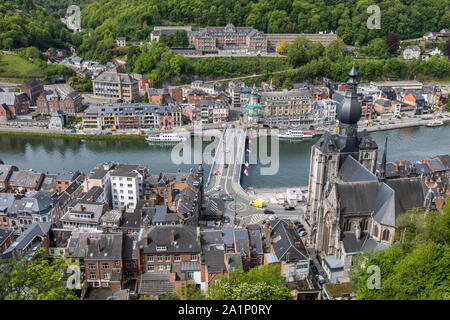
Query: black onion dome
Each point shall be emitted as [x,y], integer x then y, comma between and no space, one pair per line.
[350,109]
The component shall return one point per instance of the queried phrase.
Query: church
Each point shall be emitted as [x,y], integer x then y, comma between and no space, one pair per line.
[350,206]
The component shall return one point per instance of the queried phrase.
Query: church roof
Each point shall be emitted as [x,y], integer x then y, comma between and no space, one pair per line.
[365,243]
[352,171]
[326,143]
[409,193]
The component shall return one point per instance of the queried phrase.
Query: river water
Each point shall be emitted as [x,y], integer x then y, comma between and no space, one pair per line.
[54,154]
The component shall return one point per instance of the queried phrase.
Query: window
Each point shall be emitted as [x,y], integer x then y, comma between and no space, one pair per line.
[160,267]
[176,258]
[161,248]
[130,185]
[91,266]
[167,258]
[193,257]
[92,275]
[385,235]
[151,268]
[347,226]
[105,266]
[375,231]
[116,263]
[106,276]
[365,224]
[190,275]
[150,258]
[160,258]
[129,179]
[168,267]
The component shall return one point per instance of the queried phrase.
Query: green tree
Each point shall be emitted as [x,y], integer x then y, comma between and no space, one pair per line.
[39,278]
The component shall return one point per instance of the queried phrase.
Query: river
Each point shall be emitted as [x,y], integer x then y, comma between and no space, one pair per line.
[54,154]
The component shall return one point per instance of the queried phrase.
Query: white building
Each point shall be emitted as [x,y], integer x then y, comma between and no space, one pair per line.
[411,52]
[126,186]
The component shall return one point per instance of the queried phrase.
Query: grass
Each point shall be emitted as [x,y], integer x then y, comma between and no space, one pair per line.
[14,68]
[75,136]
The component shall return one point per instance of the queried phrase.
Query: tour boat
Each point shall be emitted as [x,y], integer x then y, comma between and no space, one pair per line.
[296,134]
[435,123]
[165,137]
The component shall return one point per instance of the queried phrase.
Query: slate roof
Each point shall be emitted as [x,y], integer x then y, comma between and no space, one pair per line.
[25,179]
[4,171]
[34,230]
[228,236]
[234,260]
[111,77]
[445,160]
[241,241]
[326,143]
[38,203]
[351,171]
[5,233]
[365,243]
[256,243]
[66,175]
[6,201]
[185,239]
[211,238]
[108,247]
[283,242]
[409,193]
[155,283]
[214,260]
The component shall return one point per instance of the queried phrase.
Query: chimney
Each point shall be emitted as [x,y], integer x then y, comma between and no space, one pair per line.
[172,236]
[297,245]
[198,234]
[146,224]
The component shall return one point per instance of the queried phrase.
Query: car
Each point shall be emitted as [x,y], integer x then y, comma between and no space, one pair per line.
[298,223]
[218,188]
[228,198]
[35,249]
[268,211]
[321,279]
[289,208]
[225,165]
[273,217]
[303,233]
[227,150]
[314,270]
[300,229]
[226,219]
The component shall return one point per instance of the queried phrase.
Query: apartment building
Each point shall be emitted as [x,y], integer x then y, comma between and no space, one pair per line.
[126,185]
[116,86]
[285,107]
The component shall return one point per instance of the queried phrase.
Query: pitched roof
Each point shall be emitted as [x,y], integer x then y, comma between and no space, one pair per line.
[351,171]
[34,230]
[284,240]
[155,282]
[185,239]
[409,193]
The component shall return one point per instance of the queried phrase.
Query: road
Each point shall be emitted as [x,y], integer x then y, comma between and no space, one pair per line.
[225,181]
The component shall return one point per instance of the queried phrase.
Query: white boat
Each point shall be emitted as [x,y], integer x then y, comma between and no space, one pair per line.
[165,137]
[296,134]
[435,123]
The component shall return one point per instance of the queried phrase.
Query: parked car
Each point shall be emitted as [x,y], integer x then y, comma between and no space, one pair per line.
[298,224]
[303,233]
[218,188]
[273,217]
[268,211]
[289,208]
[314,270]
[225,165]
[228,198]
[226,219]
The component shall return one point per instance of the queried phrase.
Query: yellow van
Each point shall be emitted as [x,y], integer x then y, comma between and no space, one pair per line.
[257,203]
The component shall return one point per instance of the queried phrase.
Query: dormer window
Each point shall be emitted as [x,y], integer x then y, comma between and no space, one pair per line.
[161,248]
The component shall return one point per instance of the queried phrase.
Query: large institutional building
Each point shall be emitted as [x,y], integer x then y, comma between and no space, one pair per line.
[245,39]
[350,209]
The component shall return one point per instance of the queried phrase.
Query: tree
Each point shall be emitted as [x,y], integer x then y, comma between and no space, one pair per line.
[416,266]
[393,42]
[261,283]
[189,291]
[282,47]
[299,51]
[37,279]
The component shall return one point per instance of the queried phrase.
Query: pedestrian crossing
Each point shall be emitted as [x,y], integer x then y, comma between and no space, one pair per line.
[254,218]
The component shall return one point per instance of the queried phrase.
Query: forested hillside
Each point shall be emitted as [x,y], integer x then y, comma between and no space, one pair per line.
[23,24]
[135,18]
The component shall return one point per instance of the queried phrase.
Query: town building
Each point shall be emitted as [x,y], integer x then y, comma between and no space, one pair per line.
[158,30]
[228,39]
[23,181]
[416,99]
[214,111]
[411,52]
[65,178]
[6,239]
[121,41]
[127,185]
[116,86]
[33,88]
[54,100]
[5,174]
[83,215]
[30,241]
[285,107]
[14,104]
[58,120]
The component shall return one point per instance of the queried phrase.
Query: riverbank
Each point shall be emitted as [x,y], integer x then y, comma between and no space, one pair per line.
[72,135]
